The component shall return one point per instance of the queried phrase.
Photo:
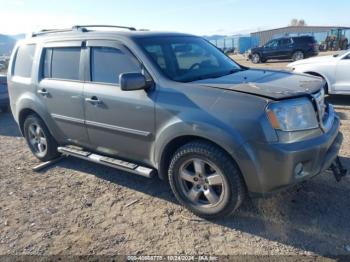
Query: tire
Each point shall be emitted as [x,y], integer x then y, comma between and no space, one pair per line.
[39,139]
[256,58]
[205,180]
[297,55]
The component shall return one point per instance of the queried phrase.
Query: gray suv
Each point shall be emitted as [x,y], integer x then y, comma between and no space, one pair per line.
[171,105]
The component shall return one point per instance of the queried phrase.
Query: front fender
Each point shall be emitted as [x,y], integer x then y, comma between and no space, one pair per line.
[225,137]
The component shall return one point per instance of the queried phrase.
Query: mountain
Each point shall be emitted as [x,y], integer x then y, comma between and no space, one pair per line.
[7,43]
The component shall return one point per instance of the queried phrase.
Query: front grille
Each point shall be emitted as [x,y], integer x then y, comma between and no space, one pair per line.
[320,104]
[322,109]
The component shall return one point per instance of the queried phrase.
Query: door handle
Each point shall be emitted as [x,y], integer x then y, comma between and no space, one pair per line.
[93,100]
[43,92]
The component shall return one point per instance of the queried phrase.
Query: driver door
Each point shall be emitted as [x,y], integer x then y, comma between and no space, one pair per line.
[342,76]
[271,49]
[119,123]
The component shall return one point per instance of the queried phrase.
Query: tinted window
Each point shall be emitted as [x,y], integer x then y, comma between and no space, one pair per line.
[108,63]
[24,61]
[62,63]
[272,43]
[47,63]
[285,41]
[187,59]
[305,39]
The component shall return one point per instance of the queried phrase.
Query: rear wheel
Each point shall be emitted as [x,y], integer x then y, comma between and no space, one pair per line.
[297,55]
[206,180]
[256,58]
[39,139]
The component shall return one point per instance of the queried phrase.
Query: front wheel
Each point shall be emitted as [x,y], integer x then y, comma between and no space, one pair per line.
[256,58]
[39,139]
[206,180]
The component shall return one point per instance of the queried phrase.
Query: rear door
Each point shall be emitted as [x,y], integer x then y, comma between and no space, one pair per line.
[61,88]
[285,48]
[119,122]
[342,76]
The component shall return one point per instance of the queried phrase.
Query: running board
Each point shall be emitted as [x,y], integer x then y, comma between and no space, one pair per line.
[107,161]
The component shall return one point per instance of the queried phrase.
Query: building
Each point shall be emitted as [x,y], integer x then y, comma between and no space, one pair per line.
[319,32]
[240,43]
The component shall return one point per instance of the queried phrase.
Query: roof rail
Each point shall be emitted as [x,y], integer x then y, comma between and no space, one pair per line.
[52,31]
[84,27]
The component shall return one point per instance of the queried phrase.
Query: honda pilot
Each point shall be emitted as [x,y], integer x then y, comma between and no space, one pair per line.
[172,105]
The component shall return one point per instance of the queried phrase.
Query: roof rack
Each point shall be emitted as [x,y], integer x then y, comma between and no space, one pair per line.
[51,31]
[82,28]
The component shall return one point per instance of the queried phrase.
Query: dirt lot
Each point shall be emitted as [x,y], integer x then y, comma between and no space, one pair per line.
[76,207]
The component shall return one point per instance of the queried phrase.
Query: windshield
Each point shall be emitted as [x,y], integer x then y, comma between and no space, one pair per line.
[186,59]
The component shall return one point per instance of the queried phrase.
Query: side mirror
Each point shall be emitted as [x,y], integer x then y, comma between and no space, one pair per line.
[132,81]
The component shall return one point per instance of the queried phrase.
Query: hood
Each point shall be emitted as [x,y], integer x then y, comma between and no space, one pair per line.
[258,48]
[313,60]
[266,83]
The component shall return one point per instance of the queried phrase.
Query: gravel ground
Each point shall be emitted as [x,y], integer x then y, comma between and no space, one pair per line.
[77,207]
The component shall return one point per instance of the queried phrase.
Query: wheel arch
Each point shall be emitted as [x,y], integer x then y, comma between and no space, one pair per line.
[175,143]
[313,73]
[27,106]
[23,114]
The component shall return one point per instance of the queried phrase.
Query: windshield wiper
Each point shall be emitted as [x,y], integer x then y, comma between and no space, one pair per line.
[212,76]
[232,71]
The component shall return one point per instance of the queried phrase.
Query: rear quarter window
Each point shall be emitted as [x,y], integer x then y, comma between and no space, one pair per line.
[303,40]
[24,61]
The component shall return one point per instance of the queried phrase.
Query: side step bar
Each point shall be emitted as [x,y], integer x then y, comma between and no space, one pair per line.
[107,161]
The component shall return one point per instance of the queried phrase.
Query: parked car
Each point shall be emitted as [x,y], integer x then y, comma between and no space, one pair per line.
[4,96]
[295,48]
[334,69]
[174,105]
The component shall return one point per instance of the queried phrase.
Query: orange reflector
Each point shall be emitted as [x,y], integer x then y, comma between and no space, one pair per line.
[273,120]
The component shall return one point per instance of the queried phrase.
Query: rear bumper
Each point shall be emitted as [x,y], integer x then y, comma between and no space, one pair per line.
[277,166]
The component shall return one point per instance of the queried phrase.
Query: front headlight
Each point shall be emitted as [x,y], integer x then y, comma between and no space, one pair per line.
[292,115]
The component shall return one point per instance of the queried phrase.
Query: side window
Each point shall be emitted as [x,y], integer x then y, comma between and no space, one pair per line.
[272,43]
[108,63]
[24,61]
[47,63]
[285,41]
[61,63]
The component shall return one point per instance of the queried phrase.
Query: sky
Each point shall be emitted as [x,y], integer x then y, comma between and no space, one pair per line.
[200,17]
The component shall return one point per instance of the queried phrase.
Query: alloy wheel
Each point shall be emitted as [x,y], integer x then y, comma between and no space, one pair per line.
[201,182]
[37,140]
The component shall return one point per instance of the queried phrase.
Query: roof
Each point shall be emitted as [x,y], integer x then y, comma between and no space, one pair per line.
[302,27]
[76,31]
